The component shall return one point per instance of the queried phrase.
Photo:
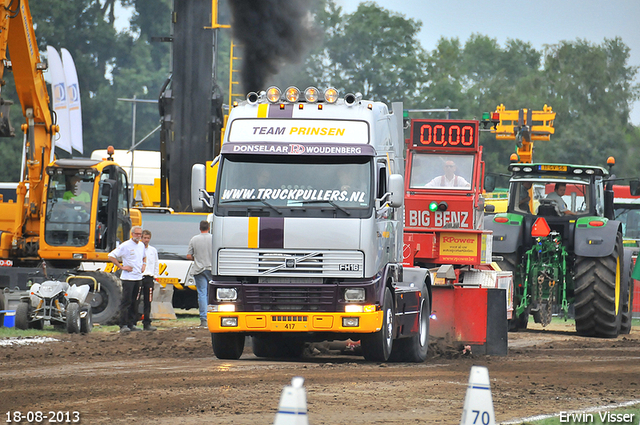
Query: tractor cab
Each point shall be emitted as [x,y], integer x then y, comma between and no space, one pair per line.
[563,195]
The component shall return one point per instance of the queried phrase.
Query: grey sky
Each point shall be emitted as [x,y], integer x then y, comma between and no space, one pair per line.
[538,22]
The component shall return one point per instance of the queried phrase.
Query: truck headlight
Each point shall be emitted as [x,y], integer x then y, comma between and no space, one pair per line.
[350,322]
[229,322]
[226,294]
[354,295]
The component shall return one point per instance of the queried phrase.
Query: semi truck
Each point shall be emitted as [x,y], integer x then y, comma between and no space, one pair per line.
[307,229]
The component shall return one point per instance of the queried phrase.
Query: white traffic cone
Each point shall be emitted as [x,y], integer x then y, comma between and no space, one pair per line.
[478,404]
[292,409]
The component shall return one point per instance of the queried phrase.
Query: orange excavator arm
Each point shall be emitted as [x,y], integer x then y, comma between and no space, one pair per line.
[17,39]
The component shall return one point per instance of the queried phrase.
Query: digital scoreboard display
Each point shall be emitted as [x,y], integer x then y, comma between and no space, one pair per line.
[444,134]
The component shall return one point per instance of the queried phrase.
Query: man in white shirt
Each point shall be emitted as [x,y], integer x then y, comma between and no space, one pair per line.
[200,251]
[449,178]
[148,280]
[130,257]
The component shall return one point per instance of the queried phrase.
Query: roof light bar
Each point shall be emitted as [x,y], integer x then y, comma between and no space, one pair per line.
[311,94]
[292,94]
[331,95]
[273,94]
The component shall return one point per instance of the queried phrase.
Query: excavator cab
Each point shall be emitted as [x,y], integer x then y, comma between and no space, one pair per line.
[86,212]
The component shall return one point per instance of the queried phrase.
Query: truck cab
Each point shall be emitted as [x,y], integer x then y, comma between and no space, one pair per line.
[307,229]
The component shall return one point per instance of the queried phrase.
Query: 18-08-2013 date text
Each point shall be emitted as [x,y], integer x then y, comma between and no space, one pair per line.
[38,416]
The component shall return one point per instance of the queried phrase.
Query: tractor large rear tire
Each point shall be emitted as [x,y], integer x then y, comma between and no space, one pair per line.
[627,294]
[598,293]
[377,346]
[105,305]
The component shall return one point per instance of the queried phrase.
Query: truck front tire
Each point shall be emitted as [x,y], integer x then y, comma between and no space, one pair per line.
[376,347]
[227,346]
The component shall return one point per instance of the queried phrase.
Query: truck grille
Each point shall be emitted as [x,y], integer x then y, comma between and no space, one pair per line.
[290,298]
[290,263]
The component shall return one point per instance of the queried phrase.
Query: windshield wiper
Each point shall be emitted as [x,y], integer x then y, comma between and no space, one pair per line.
[317,201]
[234,201]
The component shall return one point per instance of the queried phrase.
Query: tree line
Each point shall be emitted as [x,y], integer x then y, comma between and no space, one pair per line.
[591,86]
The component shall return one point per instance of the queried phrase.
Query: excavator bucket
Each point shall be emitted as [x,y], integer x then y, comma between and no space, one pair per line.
[6,130]
[162,303]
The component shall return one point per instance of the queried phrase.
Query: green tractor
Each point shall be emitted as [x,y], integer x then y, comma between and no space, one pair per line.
[560,240]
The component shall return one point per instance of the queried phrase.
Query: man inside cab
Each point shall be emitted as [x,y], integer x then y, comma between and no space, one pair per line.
[556,196]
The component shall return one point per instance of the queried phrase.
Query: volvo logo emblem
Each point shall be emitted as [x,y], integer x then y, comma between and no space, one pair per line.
[290,263]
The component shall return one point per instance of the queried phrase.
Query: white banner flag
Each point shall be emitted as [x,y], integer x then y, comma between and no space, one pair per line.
[73,100]
[59,92]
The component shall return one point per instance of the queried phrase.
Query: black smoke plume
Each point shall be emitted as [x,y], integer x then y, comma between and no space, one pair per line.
[272,32]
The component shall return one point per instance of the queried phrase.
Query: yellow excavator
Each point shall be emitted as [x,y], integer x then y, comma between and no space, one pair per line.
[67,211]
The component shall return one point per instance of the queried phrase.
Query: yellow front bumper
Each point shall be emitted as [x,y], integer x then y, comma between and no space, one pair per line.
[295,322]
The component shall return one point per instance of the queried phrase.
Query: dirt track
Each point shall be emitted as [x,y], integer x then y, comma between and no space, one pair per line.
[171,376]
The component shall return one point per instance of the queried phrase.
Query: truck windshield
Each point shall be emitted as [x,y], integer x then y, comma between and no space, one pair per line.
[278,184]
[435,171]
[68,216]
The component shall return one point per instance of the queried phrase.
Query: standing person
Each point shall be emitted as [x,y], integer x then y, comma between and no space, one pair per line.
[148,279]
[130,257]
[200,251]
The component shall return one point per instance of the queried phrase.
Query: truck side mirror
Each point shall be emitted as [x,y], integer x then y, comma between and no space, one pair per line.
[396,190]
[489,183]
[198,182]
[634,187]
